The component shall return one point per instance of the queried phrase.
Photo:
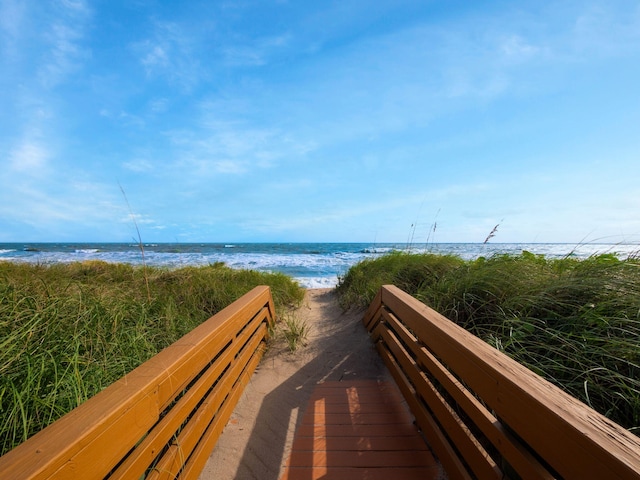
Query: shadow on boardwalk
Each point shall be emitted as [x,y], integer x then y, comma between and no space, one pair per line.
[258,437]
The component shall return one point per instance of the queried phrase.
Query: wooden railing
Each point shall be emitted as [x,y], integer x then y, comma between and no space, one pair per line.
[485,415]
[163,419]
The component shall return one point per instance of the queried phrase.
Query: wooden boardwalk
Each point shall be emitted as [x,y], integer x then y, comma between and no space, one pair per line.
[359,430]
[484,414]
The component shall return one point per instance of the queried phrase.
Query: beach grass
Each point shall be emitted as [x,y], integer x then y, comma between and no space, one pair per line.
[67,331]
[574,322]
[293,330]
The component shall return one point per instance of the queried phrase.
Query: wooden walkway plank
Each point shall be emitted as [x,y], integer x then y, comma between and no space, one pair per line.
[412,473]
[360,443]
[358,430]
[355,430]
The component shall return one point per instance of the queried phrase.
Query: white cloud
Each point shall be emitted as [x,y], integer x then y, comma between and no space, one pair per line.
[170,53]
[516,48]
[12,14]
[65,36]
[156,57]
[40,206]
[131,120]
[603,29]
[138,219]
[138,165]
[229,166]
[159,105]
[79,6]
[223,142]
[124,118]
[29,157]
[256,53]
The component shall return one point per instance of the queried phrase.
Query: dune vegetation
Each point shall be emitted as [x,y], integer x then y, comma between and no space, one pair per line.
[67,331]
[574,322]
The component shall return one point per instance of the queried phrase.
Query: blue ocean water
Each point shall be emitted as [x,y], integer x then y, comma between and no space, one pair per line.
[314,265]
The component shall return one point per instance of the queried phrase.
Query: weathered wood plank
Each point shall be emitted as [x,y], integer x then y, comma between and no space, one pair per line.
[572,438]
[336,451]
[510,448]
[474,454]
[201,453]
[370,316]
[145,453]
[353,473]
[180,450]
[436,438]
[92,439]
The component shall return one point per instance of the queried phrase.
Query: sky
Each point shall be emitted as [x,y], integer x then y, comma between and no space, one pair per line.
[323,121]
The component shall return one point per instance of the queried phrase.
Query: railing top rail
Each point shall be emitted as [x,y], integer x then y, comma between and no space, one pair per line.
[130,406]
[572,438]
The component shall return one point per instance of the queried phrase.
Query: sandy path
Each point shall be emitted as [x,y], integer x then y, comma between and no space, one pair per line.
[257,440]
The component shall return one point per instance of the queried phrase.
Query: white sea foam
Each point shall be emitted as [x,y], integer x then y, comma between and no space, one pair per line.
[377,250]
[312,265]
[317,282]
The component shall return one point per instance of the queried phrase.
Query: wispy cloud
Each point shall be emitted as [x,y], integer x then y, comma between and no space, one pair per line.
[224,139]
[396,211]
[29,157]
[228,166]
[256,52]
[171,53]
[38,204]
[159,105]
[12,15]
[66,49]
[139,165]
[517,49]
[606,29]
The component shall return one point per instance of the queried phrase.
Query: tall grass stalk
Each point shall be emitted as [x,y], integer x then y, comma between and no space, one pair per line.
[140,244]
[574,322]
[67,331]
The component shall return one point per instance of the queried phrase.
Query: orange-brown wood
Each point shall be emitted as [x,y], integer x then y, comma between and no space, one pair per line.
[356,445]
[92,439]
[201,453]
[145,453]
[362,442]
[475,455]
[510,448]
[360,459]
[436,437]
[188,438]
[372,314]
[352,473]
[367,431]
[574,440]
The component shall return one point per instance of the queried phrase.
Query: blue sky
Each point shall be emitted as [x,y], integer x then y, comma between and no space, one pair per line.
[350,120]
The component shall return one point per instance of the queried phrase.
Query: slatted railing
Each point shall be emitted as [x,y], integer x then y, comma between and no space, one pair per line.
[163,419]
[485,415]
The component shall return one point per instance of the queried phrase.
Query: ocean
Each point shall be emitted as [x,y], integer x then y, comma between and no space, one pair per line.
[313,265]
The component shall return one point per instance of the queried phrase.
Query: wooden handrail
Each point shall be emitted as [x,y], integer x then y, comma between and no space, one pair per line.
[484,414]
[161,420]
